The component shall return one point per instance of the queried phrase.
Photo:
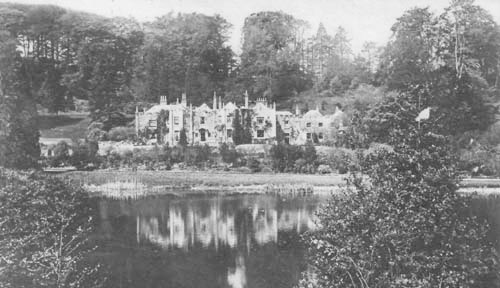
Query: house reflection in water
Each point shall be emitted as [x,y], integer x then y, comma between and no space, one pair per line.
[231,241]
[186,226]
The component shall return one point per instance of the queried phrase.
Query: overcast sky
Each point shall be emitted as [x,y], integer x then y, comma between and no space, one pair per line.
[364,20]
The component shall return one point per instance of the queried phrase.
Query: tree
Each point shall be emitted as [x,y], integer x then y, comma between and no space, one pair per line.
[408,58]
[271,56]
[184,53]
[238,131]
[19,135]
[183,138]
[400,221]
[247,129]
[161,124]
[447,55]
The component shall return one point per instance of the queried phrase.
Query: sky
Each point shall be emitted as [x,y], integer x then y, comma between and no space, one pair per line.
[364,20]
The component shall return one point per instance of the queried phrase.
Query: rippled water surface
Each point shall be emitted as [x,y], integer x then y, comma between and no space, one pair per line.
[205,241]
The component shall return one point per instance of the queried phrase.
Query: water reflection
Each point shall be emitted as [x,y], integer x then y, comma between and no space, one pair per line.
[232,241]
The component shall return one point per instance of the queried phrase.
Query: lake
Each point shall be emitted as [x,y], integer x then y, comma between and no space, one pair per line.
[205,240]
[249,240]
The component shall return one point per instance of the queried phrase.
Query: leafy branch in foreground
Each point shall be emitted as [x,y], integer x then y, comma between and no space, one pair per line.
[45,226]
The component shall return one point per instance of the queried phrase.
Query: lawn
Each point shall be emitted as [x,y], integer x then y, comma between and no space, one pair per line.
[205,178]
[63,126]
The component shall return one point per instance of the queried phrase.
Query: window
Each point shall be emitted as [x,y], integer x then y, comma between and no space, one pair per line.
[260,133]
[152,123]
[176,120]
[286,122]
[202,120]
[320,124]
[320,136]
[196,135]
[308,124]
[287,138]
[177,133]
[229,119]
[229,133]
[260,120]
[309,136]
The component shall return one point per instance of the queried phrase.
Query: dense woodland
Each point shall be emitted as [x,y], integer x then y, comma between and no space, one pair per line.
[50,56]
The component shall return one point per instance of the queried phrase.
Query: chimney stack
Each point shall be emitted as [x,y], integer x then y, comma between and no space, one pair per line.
[220,102]
[184,99]
[297,111]
[246,99]
[214,103]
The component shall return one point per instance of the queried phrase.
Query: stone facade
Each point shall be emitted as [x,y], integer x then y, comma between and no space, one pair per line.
[214,125]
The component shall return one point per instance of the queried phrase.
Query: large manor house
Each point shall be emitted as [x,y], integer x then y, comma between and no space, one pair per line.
[214,125]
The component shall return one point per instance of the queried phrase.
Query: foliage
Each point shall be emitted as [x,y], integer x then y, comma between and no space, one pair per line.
[85,155]
[161,124]
[183,138]
[454,55]
[45,226]
[184,53]
[291,158]
[238,131]
[121,133]
[60,155]
[270,59]
[19,135]
[400,221]
[229,154]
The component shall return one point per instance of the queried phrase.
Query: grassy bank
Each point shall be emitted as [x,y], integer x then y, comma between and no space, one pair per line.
[204,178]
[63,126]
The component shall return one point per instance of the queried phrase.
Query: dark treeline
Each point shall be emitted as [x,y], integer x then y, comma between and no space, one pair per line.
[51,56]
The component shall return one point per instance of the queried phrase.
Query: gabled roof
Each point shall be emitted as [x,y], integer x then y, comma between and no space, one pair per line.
[203,108]
[157,108]
[284,113]
[313,114]
[230,107]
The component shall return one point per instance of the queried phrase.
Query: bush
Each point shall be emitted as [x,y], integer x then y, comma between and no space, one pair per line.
[45,226]
[121,134]
[85,156]
[60,155]
[229,154]
[253,164]
[401,222]
[288,158]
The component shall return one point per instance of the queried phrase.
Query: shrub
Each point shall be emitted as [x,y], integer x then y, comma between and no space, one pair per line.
[121,134]
[253,164]
[228,154]
[284,156]
[400,222]
[45,226]
[60,154]
[85,155]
